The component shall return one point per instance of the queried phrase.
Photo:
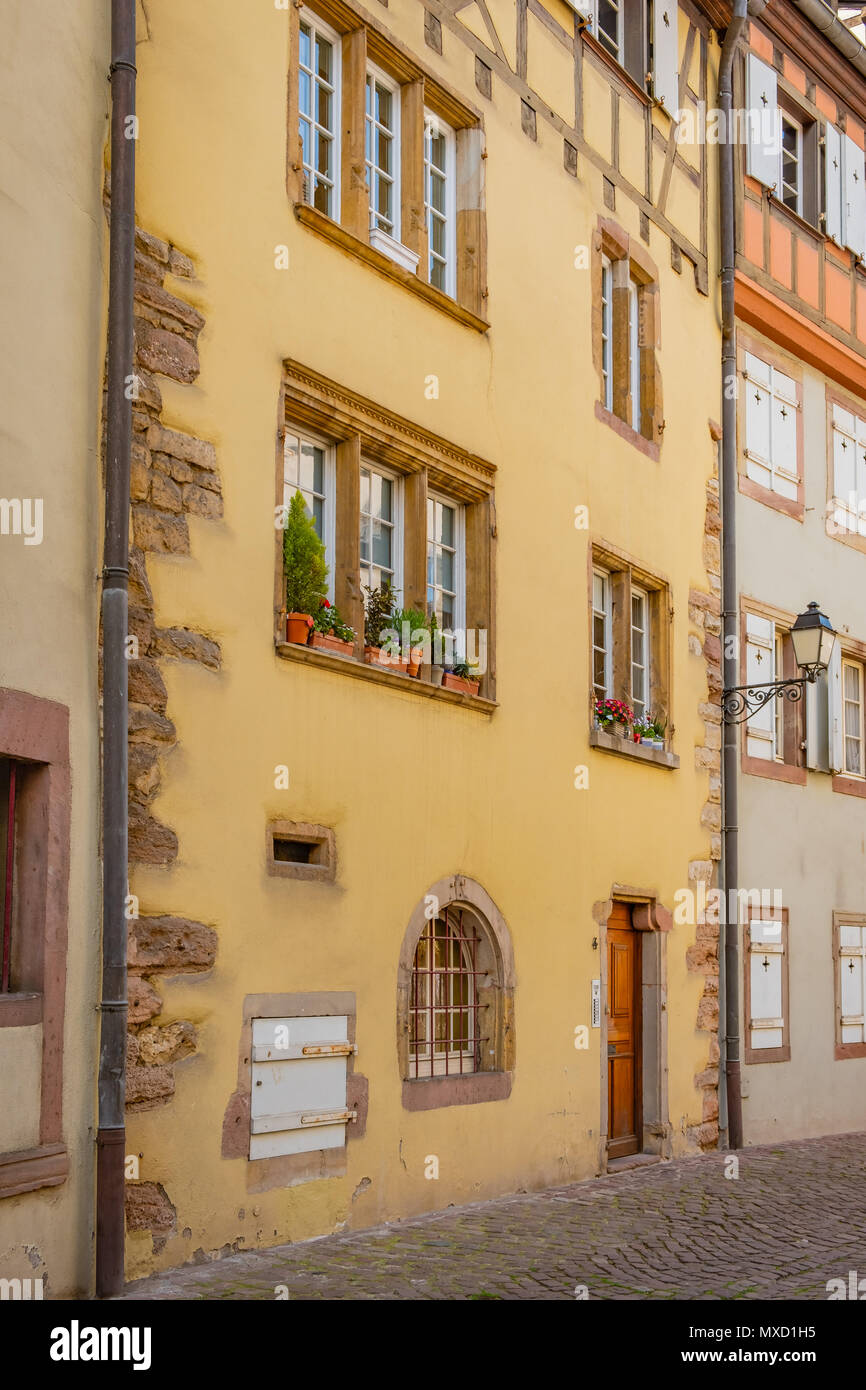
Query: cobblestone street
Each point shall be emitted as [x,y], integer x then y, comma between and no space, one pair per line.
[794,1218]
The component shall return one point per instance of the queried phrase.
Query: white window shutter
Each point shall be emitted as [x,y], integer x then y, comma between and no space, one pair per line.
[666,52]
[817,726]
[758,405]
[584,8]
[764,151]
[766,963]
[852,983]
[854,201]
[760,669]
[299,1085]
[833,182]
[834,708]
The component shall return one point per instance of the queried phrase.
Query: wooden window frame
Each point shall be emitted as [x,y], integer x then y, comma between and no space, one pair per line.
[36,731]
[843,1051]
[434,124]
[623,574]
[753,1056]
[371,125]
[861,672]
[633,384]
[364,44]
[790,367]
[329,495]
[319,26]
[606,613]
[791,767]
[359,430]
[397,555]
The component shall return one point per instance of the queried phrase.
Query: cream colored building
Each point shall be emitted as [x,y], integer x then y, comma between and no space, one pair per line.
[53,127]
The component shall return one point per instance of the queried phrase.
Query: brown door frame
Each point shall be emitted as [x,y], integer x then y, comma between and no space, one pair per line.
[629,1144]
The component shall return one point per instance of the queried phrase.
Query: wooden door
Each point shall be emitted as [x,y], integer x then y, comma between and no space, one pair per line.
[624,1121]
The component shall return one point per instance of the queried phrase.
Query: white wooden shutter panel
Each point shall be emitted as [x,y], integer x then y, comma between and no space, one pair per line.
[817,726]
[759,376]
[666,45]
[760,668]
[766,963]
[834,708]
[299,1085]
[854,196]
[784,427]
[584,8]
[833,183]
[852,983]
[764,150]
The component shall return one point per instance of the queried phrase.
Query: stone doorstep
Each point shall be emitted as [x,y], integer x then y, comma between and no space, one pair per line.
[630,1161]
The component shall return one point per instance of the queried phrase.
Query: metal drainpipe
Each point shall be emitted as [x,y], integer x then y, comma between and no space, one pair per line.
[730,964]
[110,1143]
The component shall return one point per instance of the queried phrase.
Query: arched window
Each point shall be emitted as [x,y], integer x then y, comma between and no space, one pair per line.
[455,999]
[443,1009]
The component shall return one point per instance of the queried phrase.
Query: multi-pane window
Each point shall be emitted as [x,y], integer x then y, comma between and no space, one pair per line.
[640,674]
[607,333]
[602,643]
[443,1003]
[308,468]
[445,562]
[380,530]
[851,964]
[771,424]
[852,718]
[383,152]
[318,113]
[606,24]
[791,171]
[439,202]
[849,471]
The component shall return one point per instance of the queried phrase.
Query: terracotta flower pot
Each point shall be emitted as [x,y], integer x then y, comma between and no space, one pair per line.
[326,641]
[461,683]
[298,627]
[376,656]
[415,659]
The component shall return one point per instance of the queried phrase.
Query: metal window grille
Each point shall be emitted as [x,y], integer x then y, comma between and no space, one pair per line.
[8,789]
[444,1023]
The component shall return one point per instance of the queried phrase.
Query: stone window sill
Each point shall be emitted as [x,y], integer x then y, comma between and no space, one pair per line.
[640,442]
[361,670]
[20,1010]
[476,1088]
[638,752]
[29,1169]
[332,231]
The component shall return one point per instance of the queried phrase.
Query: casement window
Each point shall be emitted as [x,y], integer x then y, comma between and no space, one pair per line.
[319,112]
[602,643]
[308,468]
[625,327]
[848,434]
[606,333]
[393,502]
[446,561]
[766,992]
[444,1034]
[853,764]
[791,169]
[773,737]
[630,636]
[850,968]
[358,101]
[440,198]
[382,137]
[381,528]
[299,1092]
[642,36]
[772,425]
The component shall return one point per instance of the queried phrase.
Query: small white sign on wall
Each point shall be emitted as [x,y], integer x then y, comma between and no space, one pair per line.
[596,1003]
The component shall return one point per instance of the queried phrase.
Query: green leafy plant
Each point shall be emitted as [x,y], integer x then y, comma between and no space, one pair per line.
[408,622]
[328,620]
[378,612]
[657,725]
[466,670]
[303,560]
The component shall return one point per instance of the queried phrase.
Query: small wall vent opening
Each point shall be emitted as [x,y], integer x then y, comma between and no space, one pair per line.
[298,849]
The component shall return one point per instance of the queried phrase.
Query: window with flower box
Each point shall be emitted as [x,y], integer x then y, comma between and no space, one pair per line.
[630,634]
[404,506]
[356,102]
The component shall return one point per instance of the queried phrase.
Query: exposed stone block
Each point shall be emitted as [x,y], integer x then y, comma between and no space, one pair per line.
[150,842]
[181,265]
[144,775]
[146,686]
[148,1086]
[148,1208]
[167,353]
[166,494]
[700,871]
[708,1014]
[146,725]
[139,479]
[168,305]
[702,958]
[172,944]
[181,446]
[160,531]
[144,1002]
[140,624]
[183,645]
[160,1046]
[200,502]
[152,246]
[708,1077]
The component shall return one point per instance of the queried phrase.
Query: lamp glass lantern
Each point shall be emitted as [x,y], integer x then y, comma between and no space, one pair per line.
[813,637]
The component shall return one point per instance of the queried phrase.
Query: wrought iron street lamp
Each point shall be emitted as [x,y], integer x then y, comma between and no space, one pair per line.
[813,637]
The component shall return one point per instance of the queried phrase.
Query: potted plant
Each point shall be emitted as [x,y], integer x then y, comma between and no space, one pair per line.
[658,732]
[432,670]
[462,677]
[614,717]
[330,633]
[644,732]
[305,570]
[379,620]
[409,622]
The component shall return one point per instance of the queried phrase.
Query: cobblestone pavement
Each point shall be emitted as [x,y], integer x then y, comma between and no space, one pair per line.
[794,1218]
